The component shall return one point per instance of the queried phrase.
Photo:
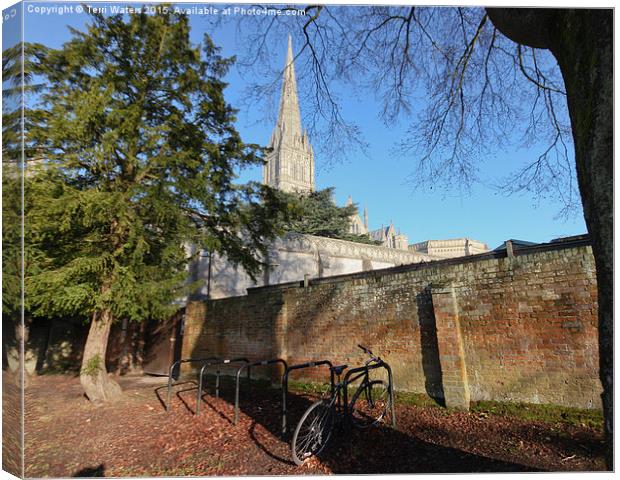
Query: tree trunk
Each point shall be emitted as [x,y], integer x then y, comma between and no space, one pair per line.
[138,360]
[582,42]
[98,386]
[124,363]
[584,50]
[22,330]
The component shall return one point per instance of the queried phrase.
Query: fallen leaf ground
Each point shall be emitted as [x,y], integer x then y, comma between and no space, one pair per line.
[66,436]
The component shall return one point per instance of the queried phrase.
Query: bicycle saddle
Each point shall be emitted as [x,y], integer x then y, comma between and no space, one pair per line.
[338,369]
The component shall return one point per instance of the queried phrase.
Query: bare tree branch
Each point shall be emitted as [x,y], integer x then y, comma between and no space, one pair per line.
[460,84]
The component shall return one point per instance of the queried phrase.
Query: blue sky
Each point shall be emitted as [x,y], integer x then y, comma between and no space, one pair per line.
[378,180]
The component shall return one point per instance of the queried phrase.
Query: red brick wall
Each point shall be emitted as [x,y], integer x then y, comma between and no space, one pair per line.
[522,328]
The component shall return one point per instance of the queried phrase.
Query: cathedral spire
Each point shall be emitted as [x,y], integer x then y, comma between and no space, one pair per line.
[290,164]
[289,119]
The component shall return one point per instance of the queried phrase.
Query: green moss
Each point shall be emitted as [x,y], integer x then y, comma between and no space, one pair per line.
[544,413]
[93,366]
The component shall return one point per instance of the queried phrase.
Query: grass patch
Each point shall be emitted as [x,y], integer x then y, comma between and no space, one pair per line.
[544,413]
[552,414]
[402,398]
[308,387]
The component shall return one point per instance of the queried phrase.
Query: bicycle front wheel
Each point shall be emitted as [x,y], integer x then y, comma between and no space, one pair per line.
[313,431]
[370,403]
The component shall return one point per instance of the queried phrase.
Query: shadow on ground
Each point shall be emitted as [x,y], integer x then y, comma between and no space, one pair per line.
[375,450]
[98,471]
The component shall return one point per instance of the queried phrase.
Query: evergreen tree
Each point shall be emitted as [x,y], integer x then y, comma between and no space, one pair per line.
[316,213]
[20,65]
[140,155]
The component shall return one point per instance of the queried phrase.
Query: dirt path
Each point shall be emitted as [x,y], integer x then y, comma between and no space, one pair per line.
[66,436]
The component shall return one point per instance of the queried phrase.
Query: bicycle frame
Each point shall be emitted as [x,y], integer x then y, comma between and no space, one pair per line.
[360,372]
[339,401]
[315,426]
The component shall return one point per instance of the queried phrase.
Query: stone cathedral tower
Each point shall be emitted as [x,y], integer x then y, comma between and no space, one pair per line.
[290,165]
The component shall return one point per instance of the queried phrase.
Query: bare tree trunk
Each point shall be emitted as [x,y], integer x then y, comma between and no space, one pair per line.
[582,42]
[98,386]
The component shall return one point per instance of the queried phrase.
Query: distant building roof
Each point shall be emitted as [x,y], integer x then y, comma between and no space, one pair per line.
[572,238]
[515,243]
[524,243]
[377,234]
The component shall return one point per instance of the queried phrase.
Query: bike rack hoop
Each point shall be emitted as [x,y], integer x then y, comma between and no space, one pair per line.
[217,379]
[261,363]
[298,367]
[171,369]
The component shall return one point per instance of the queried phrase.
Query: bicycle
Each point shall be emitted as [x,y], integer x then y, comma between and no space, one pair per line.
[369,405]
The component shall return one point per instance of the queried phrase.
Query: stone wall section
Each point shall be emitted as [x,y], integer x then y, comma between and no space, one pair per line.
[450,347]
[487,327]
[291,258]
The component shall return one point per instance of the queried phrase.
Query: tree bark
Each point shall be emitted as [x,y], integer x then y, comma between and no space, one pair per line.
[22,331]
[584,50]
[527,26]
[582,42]
[124,358]
[138,361]
[98,386]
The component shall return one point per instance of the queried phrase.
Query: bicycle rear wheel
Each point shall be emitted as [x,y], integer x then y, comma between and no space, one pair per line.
[370,404]
[313,431]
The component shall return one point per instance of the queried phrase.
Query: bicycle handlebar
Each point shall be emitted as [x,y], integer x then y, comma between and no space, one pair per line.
[367,351]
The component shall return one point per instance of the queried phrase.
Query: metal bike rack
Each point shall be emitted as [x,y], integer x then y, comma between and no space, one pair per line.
[371,367]
[285,383]
[260,364]
[217,378]
[174,364]
[392,399]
